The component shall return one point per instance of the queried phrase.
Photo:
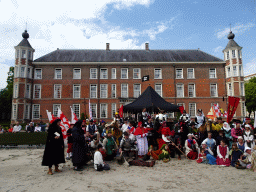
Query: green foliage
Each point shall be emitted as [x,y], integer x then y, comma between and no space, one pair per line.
[250,95]
[83,116]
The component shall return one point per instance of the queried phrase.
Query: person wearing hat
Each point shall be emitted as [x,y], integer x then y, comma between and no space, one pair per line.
[185,117]
[245,163]
[101,127]
[125,125]
[142,142]
[191,147]
[216,127]
[166,135]
[248,136]
[70,142]
[240,143]
[248,122]
[91,129]
[192,128]
[110,146]
[227,134]
[200,118]
[117,118]
[236,131]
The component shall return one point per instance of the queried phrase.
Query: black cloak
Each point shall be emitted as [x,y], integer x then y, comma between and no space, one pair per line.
[54,148]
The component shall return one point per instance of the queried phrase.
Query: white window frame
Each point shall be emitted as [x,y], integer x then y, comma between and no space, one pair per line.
[33,110]
[74,91]
[216,90]
[122,96]
[194,92]
[74,73]
[55,107]
[228,90]
[157,84]
[113,91]
[177,90]
[113,73]
[16,91]
[27,113]
[35,74]
[136,90]
[55,96]
[193,75]
[101,93]
[23,55]
[101,74]
[190,109]
[113,109]
[240,70]
[215,73]
[91,73]
[106,110]
[243,109]
[95,91]
[228,57]
[55,73]
[233,54]
[22,75]
[92,104]
[74,108]
[17,53]
[28,95]
[160,76]
[235,74]
[35,91]
[127,71]
[228,71]
[242,89]
[182,76]
[139,73]
[14,113]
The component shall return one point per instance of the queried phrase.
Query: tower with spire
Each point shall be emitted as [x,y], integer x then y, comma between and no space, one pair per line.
[22,84]
[234,73]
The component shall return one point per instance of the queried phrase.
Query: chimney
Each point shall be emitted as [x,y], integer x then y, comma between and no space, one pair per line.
[147,46]
[107,46]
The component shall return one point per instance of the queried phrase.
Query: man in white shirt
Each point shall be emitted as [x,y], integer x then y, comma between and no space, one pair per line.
[37,128]
[99,164]
[17,128]
[125,126]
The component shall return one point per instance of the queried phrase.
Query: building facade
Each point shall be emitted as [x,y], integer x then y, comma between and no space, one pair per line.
[111,78]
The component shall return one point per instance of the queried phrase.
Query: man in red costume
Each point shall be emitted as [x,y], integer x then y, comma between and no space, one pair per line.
[166,135]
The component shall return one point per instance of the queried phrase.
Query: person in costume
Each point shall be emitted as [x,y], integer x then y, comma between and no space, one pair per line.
[141,137]
[253,160]
[200,118]
[185,117]
[117,134]
[202,157]
[236,131]
[248,122]
[70,142]
[245,163]
[166,135]
[54,147]
[227,133]
[117,118]
[191,147]
[240,143]
[91,129]
[216,127]
[132,130]
[110,146]
[125,125]
[161,154]
[209,155]
[220,137]
[223,154]
[235,154]
[99,164]
[101,127]
[210,142]
[145,116]
[248,136]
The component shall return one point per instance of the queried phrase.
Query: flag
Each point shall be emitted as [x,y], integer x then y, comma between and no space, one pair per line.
[121,111]
[217,110]
[50,116]
[225,114]
[181,108]
[254,119]
[90,110]
[73,116]
[232,106]
[211,114]
[64,124]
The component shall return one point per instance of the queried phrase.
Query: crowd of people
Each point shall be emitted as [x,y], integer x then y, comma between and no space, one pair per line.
[29,128]
[149,139]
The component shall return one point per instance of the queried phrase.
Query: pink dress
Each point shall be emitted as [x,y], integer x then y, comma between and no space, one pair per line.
[222,152]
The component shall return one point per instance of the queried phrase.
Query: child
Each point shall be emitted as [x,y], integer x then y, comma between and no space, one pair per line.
[202,156]
[223,154]
[70,142]
[235,154]
[99,165]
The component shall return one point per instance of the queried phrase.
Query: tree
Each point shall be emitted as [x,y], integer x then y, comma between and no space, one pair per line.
[250,95]
[6,96]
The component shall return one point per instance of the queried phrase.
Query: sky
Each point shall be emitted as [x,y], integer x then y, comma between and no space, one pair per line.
[127,24]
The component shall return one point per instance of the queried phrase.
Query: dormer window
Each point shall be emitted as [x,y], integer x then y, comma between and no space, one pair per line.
[23,54]
[233,54]
[227,55]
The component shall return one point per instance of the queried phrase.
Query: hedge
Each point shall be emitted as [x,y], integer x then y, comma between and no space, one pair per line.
[23,138]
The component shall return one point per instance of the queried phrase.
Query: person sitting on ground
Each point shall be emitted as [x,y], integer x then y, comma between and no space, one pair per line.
[245,163]
[17,128]
[191,147]
[223,154]
[210,142]
[99,164]
[37,128]
[248,136]
[109,146]
[202,156]
[127,146]
[240,143]
[209,155]
[235,154]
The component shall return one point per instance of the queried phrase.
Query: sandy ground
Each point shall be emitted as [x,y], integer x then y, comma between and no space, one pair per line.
[21,170]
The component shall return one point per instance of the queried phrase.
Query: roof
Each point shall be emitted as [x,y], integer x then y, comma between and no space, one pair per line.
[94,55]
[232,44]
[152,101]
[24,43]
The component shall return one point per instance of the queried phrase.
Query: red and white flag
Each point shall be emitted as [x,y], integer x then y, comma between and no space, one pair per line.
[50,116]
[74,118]
[64,124]
[217,110]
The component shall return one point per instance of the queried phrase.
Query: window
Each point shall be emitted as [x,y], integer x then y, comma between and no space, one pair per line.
[22,72]
[158,73]
[213,88]
[94,110]
[240,71]
[93,91]
[229,72]
[93,73]
[136,73]
[36,111]
[158,89]
[23,54]
[124,73]
[191,90]
[181,104]
[76,73]
[76,91]
[192,109]
[28,73]
[212,74]
[242,89]
[27,112]
[113,90]
[18,53]
[191,74]
[76,108]
[37,91]
[27,95]
[136,90]
[103,110]
[227,55]
[230,89]
[179,73]
[58,73]
[113,73]
[239,53]
[235,70]
[55,109]
[124,90]
[29,55]
[15,91]
[57,91]
[233,54]
[14,111]
[103,73]
[38,74]
[243,108]
[103,91]
[113,109]
[180,90]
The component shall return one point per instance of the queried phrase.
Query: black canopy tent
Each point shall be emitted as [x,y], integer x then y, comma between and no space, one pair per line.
[152,101]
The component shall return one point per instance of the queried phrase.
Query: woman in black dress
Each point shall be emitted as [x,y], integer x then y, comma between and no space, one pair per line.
[54,148]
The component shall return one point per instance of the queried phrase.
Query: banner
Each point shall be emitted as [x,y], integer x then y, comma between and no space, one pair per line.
[74,118]
[211,114]
[90,110]
[121,111]
[50,116]
[232,106]
[64,124]
[181,108]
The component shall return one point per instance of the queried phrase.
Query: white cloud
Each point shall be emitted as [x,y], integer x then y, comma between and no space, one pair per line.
[250,68]
[238,29]
[4,69]
[218,49]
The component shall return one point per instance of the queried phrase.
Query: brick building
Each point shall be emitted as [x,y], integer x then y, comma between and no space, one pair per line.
[111,78]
